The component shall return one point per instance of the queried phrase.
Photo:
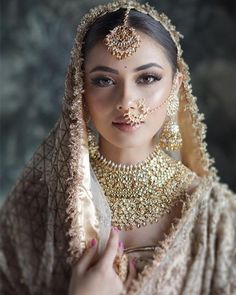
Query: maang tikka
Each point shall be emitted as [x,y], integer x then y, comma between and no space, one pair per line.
[123,40]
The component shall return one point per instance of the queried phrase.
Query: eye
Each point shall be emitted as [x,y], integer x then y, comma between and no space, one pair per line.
[148,78]
[102,81]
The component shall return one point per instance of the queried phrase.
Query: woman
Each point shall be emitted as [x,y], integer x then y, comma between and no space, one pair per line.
[128,150]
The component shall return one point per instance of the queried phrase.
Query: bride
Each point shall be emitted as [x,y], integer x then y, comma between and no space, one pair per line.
[122,196]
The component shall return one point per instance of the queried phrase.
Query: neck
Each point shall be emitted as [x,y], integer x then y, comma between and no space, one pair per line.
[127,155]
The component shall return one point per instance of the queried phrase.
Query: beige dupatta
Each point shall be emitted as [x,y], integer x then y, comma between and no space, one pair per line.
[57,206]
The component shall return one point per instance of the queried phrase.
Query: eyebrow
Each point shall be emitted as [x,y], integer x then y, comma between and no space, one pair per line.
[149,65]
[104,69]
[110,70]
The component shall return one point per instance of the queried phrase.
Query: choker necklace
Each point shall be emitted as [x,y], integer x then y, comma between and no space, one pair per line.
[141,193]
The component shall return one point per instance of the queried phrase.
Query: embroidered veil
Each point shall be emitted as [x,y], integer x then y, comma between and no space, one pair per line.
[57,206]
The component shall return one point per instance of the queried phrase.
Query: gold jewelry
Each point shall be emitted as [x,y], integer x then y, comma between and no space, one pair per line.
[123,40]
[170,137]
[121,266]
[72,104]
[142,193]
[137,114]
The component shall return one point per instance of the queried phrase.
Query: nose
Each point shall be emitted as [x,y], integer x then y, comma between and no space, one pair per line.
[126,100]
[121,107]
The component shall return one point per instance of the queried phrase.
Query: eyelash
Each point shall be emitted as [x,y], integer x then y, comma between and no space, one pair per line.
[155,77]
[95,81]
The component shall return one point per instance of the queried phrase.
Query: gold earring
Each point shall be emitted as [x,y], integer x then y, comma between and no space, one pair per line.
[170,137]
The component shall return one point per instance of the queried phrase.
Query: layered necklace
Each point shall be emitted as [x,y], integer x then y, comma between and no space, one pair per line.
[140,194]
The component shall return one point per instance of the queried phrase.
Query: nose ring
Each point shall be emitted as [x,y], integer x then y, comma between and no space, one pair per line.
[137,114]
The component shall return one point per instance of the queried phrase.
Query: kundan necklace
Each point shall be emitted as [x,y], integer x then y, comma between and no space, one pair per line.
[142,193]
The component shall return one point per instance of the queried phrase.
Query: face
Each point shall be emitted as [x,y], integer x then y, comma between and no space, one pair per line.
[112,86]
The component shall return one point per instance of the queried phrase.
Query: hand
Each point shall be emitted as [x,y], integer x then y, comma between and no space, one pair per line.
[88,279]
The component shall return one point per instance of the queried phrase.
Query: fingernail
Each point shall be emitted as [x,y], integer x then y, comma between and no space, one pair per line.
[115,229]
[121,245]
[93,242]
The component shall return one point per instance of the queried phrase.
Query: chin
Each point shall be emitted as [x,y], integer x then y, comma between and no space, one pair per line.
[128,138]
[124,142]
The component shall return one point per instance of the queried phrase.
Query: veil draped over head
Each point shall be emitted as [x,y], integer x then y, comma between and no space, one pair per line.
[193,152]
[57,206]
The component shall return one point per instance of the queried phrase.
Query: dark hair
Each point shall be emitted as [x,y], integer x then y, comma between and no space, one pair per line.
[137,20]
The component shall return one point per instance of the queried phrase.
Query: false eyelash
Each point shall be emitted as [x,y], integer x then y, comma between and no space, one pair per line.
[154,75]
[158,77]
[95,81]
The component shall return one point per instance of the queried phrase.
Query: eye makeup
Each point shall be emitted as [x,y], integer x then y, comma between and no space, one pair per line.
[145,79]
[145,76]
[102,81]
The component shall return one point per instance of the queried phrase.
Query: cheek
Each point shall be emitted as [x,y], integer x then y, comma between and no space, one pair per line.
[97,99]
[98,104]
[100,110]
[156,120]
[157,97]
[158,116]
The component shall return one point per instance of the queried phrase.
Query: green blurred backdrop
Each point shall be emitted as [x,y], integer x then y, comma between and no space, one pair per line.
[36,39]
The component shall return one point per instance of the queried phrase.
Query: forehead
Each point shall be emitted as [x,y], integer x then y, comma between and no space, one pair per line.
[149,51]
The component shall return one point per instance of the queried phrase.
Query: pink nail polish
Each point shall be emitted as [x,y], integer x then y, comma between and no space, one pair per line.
[93,242]
[115,229]
[121,245]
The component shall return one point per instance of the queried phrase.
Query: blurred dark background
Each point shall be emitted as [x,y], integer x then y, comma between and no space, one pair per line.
[36,40]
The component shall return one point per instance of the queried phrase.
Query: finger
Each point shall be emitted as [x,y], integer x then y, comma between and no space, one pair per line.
[120,248]
[86,259]
[132,274]
[112,247]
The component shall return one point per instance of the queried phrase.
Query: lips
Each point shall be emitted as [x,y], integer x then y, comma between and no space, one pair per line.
[125,127]
[120,120]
